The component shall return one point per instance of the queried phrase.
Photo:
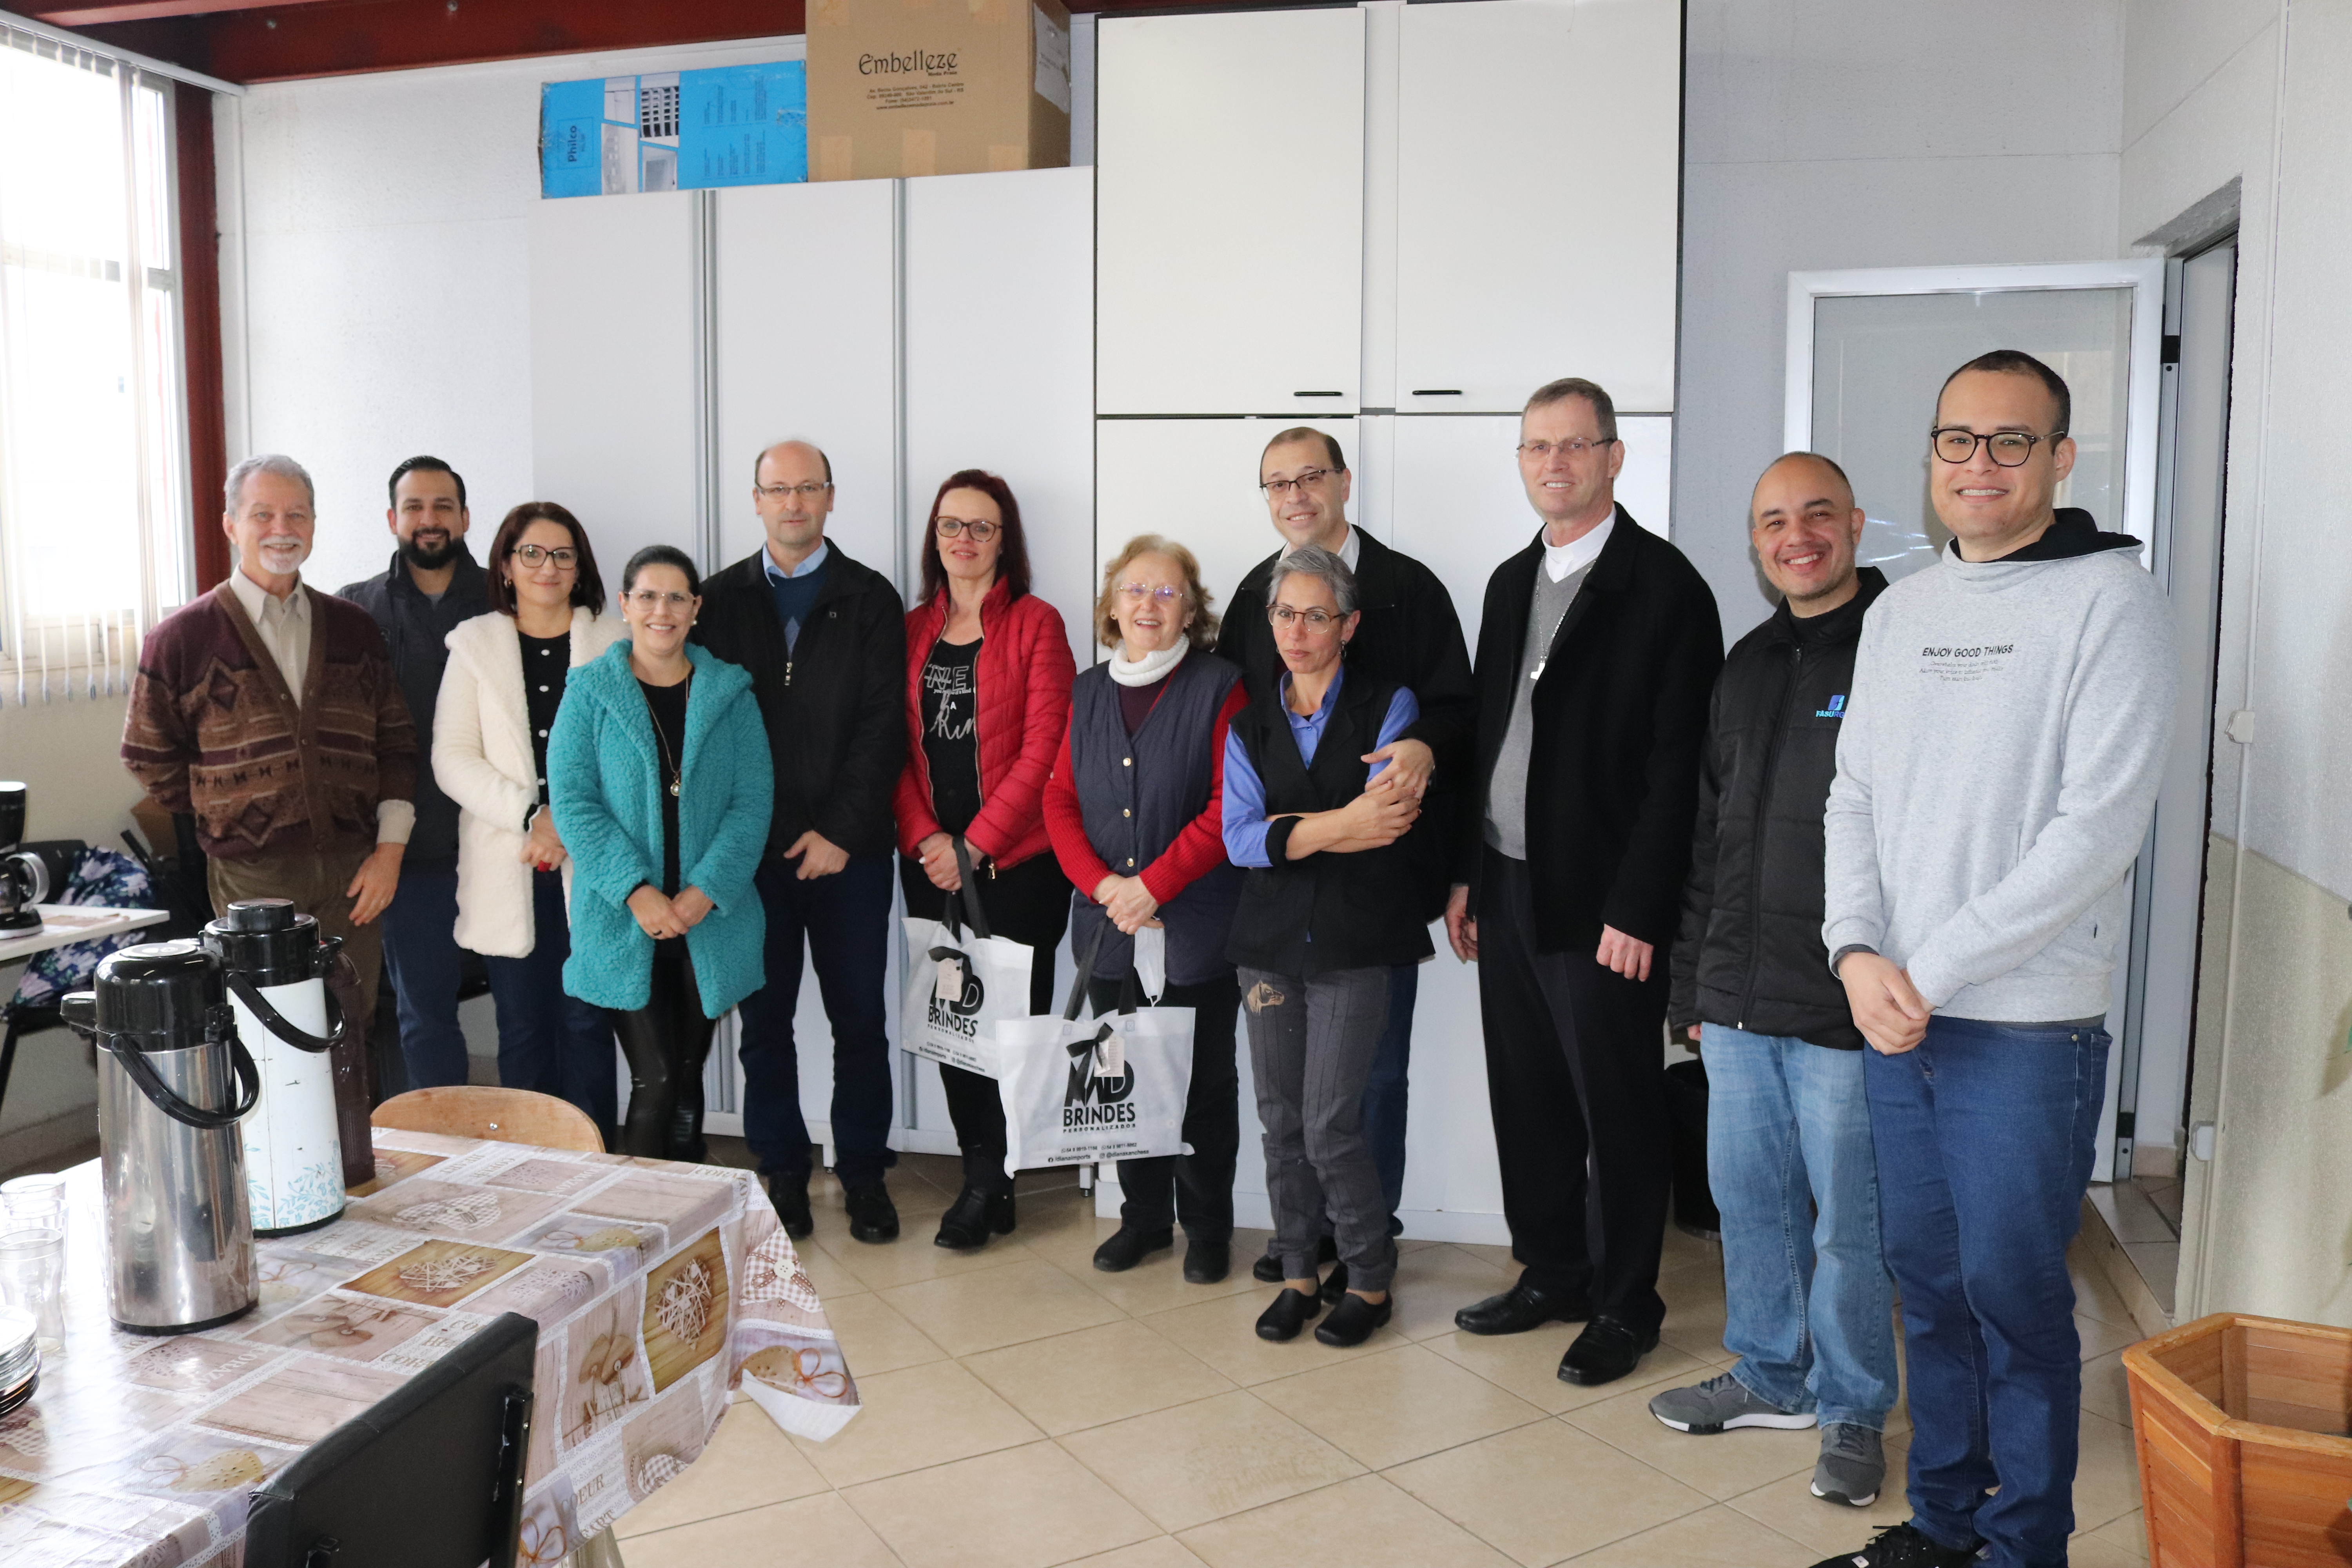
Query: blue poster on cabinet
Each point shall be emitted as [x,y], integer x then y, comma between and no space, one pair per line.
[734,125]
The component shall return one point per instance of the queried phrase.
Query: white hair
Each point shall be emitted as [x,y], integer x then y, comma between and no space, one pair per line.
[1314,561]
[276,463]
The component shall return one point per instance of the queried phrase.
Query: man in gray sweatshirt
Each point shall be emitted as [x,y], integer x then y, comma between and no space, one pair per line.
[2010,714]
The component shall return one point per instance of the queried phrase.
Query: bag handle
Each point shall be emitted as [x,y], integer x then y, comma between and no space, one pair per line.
[242,987]
[1087,972]
[978,916]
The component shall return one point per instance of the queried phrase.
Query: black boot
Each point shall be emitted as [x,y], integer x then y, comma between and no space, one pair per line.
[967,1222]
[999,1213]
[791,1197]
[1124,1248]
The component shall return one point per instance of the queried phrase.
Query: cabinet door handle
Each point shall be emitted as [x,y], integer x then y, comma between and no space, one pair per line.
[1437,392]
[1319,395]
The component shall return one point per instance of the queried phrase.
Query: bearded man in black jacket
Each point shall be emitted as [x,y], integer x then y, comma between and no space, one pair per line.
[1810,1303]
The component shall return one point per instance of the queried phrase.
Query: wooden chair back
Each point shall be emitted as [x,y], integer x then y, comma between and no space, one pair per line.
[499,1115]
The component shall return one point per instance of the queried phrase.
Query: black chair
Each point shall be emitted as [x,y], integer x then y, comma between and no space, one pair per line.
[430,1477]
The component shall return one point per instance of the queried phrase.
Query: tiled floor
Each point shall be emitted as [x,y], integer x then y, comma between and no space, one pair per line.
[1023,1410]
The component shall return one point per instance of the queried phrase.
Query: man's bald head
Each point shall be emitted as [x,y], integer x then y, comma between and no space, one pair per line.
[1827,476]
[805,450]
[1805,526]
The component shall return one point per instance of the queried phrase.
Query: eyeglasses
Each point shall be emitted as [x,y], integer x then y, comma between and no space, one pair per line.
[563,555]
[648,599]
[980,531]
[1283,489]
[1574,446]
[1136,593]
[808,491]
[2010,448]
[1316,620]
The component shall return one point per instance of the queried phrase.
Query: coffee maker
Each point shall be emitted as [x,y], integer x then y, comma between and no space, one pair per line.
[23,878]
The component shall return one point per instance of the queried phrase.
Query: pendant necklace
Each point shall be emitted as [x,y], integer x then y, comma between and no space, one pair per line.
[676,774]
[1544,658]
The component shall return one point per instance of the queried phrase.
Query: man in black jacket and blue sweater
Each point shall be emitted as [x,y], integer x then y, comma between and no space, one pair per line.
[1596,657]
[824,638]
[1788,1150]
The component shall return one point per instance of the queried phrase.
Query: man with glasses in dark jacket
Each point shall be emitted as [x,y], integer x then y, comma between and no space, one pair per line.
[433,583]
[1789,1153]
[824,638]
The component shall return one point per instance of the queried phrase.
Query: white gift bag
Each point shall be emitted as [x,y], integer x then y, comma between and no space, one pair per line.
[961,984]
[1107,1089]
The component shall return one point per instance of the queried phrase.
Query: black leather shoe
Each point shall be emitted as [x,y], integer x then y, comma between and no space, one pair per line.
[1351,1322]
[872,1215]
[1606,1350]
[1124,1248]
[1519,1308]
[791,1199]
[1335,1285]
[966,1223]
[1206,1261]
[1267,1270]
[1001,1218]
[1903,1546]
[1292,1310]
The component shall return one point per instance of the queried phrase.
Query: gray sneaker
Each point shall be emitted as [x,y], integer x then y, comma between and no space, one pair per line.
[1721,1404]
[1852,1466]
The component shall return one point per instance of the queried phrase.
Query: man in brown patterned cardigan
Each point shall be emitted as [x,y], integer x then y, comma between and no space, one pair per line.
[269,710]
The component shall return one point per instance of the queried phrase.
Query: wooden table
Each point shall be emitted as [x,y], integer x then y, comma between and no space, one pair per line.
[659,1287]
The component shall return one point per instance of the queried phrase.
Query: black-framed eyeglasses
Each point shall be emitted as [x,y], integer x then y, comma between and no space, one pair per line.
[563,555]
[2010,448]
[1574,446]
[807,490]
[1316,618]
[979,530]
[1283,489]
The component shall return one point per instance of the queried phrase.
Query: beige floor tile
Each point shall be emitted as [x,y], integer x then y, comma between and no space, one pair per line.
[1064,1230]
[912,1258]
[1384,1409]
[828,1275]
[1157,1283]
[1415,1243]
[2095,1295]
[2090,1552]
[2128,1534]
[1028,1300]
[1500,1257]
[1545,1491]
[1365,1523]
[875,1337]
[1681,1248]
[1197,1462]
[2106,1477]
[1527,1366]
[1724,1465]
[1020,1508]
[1095,1376]
[1160,1552]
[1714,1538]
[1695,1308]
[819,1529]
[922,1415]
[748,1463]
[1435,1282]
[1788,1506]
[2107,1391]
[1224,1333]
[2099,1339]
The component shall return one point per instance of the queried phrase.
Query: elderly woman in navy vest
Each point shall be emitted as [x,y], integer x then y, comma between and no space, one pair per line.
[1327,907]
[1134,810]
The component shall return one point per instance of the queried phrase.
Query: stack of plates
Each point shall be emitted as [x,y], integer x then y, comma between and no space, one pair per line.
[20,1358]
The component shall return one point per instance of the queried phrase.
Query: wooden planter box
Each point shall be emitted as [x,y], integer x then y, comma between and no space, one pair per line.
[2244,1461]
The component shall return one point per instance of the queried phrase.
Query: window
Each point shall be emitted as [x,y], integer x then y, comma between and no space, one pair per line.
[94,532]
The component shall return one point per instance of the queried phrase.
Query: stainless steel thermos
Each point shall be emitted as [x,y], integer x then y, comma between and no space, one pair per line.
[275,963]
[173,1080]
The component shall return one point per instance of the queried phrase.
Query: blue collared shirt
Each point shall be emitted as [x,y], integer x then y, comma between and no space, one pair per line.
[795,591]
[1244,814]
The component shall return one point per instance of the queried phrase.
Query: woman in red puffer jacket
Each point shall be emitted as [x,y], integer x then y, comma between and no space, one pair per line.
[988,696]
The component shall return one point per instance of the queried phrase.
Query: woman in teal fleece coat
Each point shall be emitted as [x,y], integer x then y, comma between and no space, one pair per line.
[659,779]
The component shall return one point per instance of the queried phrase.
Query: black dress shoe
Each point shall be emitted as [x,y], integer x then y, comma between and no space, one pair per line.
[1519,1308]
[1124,1248]
[1292,1310]
[1607,1349]
[872,1215]
[1351,1322]
[1206,1261]
[1335,1285]
[1267,1270]
[967,1223]
[791,1199]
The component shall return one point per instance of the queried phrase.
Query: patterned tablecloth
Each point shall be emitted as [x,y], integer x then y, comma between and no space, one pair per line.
[657,1288]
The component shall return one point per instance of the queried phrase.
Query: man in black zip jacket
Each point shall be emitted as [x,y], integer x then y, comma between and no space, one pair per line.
[1408,634]
[1811,1313]
[824,639]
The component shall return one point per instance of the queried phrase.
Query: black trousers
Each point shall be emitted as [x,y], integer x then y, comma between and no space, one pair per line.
[1195,1188]
[666,1042]
[1576,1074]
[1031,904]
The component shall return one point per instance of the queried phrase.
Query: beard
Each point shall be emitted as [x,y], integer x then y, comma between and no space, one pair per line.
[428,555]
[281,554]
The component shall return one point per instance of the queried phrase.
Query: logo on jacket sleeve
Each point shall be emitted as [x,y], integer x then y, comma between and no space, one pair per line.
[1836,709]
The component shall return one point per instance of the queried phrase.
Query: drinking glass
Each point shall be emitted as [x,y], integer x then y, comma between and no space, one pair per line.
[32,1280]
[32,1202]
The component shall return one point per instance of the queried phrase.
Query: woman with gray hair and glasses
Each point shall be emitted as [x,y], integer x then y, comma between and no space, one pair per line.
[1327,907]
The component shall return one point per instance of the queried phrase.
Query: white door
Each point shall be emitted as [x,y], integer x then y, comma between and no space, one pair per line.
[1540,155]
[1230,166]
[802,346]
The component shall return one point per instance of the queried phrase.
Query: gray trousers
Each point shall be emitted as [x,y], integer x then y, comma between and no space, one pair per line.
[1312,1044]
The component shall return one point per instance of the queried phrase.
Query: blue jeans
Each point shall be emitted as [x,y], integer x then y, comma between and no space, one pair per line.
[845,921]
[420,959]
[1810,1308]
[547,1041]
[1984,1136]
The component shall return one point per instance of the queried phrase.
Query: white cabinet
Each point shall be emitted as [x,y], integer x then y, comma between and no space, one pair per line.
[1537,201]
[1229,262]
[802,346]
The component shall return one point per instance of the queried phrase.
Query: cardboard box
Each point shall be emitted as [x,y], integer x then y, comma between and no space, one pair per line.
[936,86]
